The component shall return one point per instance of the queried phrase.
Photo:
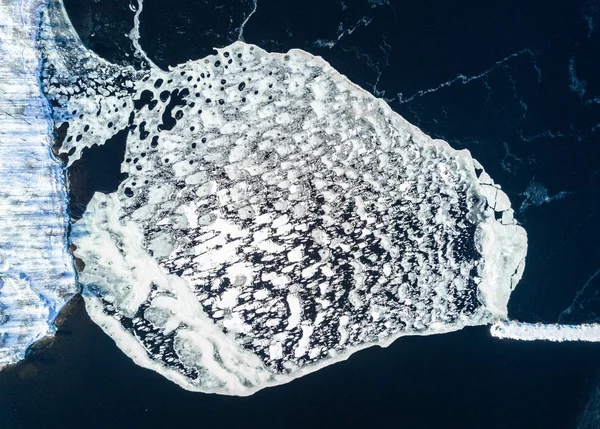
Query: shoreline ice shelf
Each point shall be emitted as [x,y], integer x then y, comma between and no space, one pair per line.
[36,271]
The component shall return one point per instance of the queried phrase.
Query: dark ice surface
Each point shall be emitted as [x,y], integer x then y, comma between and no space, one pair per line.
[514,82]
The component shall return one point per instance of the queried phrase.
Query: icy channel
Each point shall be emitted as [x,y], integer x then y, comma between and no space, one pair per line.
[276,218]
[36,271]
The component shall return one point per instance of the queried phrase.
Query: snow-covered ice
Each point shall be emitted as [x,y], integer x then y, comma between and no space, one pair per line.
[36,270]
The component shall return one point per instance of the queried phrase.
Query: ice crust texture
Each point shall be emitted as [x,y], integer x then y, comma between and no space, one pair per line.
[276,217]
[36,271]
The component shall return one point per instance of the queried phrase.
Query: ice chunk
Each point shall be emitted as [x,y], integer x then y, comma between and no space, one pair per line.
[277,218]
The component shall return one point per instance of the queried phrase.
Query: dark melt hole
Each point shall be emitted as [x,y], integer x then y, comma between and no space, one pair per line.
[145,98]
[177,99]
[164,96]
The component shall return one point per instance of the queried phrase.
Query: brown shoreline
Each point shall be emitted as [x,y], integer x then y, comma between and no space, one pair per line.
[36,353]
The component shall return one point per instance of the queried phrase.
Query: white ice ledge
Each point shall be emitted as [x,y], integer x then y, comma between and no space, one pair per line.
[509,329]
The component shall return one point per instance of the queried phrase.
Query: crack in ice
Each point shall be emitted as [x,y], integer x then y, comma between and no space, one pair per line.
[241,29]
[463,79]
[578,297]
[134,35]
[363,22]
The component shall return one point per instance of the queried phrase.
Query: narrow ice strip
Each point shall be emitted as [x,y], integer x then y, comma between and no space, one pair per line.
[509,329]
[36,272]
[134,35]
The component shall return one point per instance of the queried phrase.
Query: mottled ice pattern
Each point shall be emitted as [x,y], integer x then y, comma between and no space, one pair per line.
[36,273]
[275,218]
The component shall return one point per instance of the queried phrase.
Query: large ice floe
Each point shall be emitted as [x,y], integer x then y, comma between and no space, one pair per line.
[275,218]
[36,270]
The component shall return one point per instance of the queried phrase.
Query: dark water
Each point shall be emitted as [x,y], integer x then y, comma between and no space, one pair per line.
[517,84]
[460,380]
